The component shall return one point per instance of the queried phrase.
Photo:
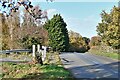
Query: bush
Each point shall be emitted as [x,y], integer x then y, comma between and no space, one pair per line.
[28,41]
[82,49]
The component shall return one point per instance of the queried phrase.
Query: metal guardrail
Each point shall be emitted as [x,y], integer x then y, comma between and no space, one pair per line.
[15,51]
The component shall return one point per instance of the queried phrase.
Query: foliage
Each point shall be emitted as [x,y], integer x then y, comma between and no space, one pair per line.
[49,71]
[33,71]
[58,34]
[108,29]
[4,33]
[13,23]
[52,59]
[30,33]
[10,17]
[7,7]
[77,42]
[8,30]
[87,40]
[95,41]
[28,41]
[15,36]
[28,20]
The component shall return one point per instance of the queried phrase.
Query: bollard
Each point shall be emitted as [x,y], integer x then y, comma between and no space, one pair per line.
[33,50]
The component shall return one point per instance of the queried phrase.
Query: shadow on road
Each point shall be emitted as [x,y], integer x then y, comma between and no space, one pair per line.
[109,71]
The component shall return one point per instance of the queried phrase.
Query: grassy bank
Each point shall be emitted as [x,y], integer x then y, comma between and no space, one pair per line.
[34,71]
[51,70]
[106,54]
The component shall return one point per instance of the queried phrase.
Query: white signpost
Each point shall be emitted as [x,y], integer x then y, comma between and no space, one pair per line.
[33,50]
[41,51]
[38,48]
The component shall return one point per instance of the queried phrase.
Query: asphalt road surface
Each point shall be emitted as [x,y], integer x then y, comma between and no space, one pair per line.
[88,66]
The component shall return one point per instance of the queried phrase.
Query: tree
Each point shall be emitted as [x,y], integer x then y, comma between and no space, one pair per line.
[4,36]
[58,33]
[75,39]
[77,42]
[95,41]
[108,29]
[87,41]
[32,35]
[9,6]
[8,27]
[30,32]
[28,20]
[13,22]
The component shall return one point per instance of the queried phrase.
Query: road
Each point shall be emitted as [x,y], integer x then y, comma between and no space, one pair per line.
[90,67]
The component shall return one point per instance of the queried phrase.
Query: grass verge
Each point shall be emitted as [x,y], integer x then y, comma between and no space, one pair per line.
[34,71]
[106,54]
[53,70]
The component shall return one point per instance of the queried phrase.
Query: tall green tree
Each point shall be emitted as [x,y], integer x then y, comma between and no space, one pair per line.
[109,28]
[58,33]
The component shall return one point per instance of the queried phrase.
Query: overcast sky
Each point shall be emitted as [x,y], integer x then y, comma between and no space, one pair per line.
[81,17]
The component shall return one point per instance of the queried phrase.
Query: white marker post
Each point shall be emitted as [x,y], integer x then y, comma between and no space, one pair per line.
[44,53]
[33,50]
[38,48]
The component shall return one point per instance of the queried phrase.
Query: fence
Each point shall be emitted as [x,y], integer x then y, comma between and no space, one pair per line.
[40,49]
[15,51]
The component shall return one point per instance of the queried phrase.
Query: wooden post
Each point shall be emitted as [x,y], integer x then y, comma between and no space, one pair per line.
[33,50]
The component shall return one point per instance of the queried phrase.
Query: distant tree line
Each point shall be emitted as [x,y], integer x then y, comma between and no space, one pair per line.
[78,43]
[55,34]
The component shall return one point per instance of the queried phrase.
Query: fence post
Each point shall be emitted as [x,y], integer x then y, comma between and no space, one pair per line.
[33,50]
